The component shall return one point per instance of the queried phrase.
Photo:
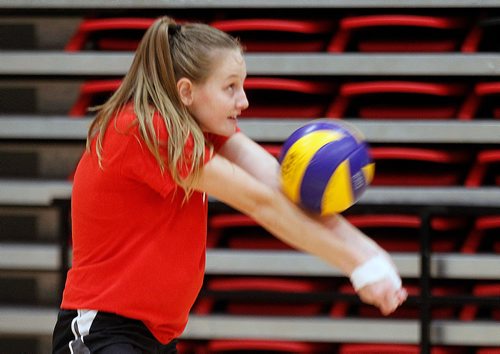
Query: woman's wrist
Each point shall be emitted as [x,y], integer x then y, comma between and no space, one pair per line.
[373,270]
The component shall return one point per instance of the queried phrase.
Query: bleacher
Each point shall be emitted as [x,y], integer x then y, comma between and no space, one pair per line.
[418,78]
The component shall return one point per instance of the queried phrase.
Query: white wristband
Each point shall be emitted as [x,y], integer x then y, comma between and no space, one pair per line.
[373,270]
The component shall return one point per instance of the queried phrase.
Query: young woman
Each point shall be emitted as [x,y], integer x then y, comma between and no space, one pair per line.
[157,147]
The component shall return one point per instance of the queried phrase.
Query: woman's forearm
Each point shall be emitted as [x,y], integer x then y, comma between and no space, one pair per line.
[334,240]
[343,229]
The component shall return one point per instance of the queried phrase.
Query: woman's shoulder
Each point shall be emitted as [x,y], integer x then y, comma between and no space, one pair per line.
[127,121]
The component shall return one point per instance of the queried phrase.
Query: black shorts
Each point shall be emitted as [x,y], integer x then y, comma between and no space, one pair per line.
[89,332]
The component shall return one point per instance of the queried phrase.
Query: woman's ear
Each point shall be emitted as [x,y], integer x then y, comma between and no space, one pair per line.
[185,89]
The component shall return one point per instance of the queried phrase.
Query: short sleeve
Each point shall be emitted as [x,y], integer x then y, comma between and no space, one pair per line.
[140,165]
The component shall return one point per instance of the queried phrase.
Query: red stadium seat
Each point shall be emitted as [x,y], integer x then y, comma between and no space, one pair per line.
[239,231]
[272,97]
[278,35]
[472,40]
[401,232]
[187,346]
[488,351]
[471,312]
[486,169]
[376,348]
[260,306]
[93,92]
[397,100]
[411,166]
[344,308]
[482,102]
[266,346]
[483,37]
[397,33]
[484,235]
[109,33]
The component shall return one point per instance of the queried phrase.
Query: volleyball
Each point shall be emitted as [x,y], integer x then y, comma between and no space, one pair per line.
[325,166]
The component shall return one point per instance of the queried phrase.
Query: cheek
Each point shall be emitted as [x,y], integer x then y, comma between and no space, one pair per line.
[210,107]
[205,115]
[217,107]
[199,107]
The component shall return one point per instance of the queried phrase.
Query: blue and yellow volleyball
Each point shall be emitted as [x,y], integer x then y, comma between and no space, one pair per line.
[325,166]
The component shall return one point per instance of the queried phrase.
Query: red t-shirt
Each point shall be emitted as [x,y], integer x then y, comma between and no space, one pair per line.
[138,250]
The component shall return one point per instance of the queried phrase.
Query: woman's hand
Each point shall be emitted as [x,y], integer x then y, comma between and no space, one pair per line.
[384,295]
[378,283]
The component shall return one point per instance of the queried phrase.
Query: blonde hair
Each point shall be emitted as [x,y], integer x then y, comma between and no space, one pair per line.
[166,53]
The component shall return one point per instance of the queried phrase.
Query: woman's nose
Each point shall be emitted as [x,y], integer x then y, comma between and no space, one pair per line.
[242,102]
